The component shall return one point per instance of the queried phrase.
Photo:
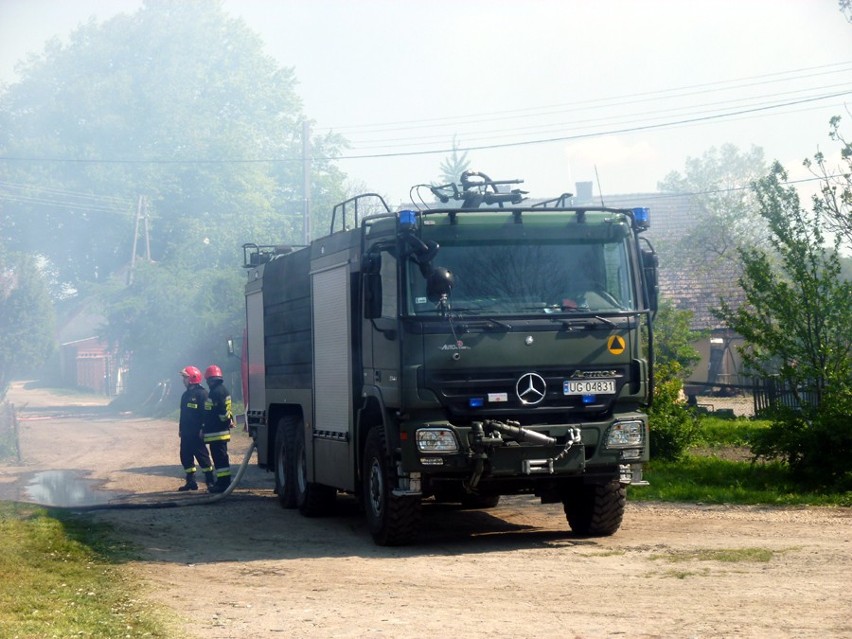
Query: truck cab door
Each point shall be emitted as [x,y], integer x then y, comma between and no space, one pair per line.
[381,323]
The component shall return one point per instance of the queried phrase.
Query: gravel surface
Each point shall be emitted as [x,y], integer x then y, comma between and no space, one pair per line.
[245,568]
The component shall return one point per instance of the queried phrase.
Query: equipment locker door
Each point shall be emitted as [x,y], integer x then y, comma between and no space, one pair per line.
[328,456]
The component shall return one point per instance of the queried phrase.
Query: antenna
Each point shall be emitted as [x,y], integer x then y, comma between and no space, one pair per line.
[598,179]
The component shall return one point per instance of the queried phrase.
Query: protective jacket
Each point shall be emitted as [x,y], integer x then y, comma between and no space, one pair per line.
[191,422]
[218,421]
[192,410]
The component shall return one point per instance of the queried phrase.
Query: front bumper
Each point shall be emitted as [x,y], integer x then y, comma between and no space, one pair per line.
[495,450]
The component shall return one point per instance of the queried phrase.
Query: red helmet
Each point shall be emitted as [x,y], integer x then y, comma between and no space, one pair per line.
[192,374]
[213,371]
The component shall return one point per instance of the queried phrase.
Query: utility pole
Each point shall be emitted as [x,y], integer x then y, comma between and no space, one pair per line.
[306,181]
[141,214]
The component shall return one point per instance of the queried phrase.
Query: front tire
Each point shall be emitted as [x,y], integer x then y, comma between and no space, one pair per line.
[392,519]
[285,460]
[595,510]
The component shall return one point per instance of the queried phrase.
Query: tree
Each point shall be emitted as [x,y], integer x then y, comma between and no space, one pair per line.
[720,181]
[673,425]
[834,201]
[674,339]
[453,166]
[26,318]
[177,102]
[797,324]
[162,327]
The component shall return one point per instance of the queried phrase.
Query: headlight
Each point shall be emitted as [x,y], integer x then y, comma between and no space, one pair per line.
[626,435]
[436,440]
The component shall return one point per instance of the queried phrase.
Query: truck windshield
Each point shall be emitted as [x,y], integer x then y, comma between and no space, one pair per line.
[512,278]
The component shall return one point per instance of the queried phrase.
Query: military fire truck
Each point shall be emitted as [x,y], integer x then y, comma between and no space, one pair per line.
[455,352]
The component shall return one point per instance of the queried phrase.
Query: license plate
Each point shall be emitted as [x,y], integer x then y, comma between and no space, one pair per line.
[588,387]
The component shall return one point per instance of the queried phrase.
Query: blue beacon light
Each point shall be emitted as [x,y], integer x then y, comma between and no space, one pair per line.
[407,219]
[642,217]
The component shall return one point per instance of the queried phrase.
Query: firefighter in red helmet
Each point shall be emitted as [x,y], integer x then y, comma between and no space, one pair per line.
[192,446]
[218,422]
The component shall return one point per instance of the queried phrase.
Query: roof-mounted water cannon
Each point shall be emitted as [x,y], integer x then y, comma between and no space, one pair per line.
[475,189]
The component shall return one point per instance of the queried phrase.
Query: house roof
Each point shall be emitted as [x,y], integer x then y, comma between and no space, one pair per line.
[673,217]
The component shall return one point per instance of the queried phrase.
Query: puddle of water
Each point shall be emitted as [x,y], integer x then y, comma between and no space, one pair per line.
[64,488]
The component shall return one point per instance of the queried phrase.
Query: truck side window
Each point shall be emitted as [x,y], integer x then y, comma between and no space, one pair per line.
[388,272]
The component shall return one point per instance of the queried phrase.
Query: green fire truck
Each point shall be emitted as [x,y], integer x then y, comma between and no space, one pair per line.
[486,345]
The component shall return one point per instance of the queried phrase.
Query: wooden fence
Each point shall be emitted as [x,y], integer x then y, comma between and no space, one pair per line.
[771,392]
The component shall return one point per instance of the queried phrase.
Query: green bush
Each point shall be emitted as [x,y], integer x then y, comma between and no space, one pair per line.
[674,426]
[816,442]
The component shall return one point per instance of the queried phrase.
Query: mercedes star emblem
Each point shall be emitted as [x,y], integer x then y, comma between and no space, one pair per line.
[531,388]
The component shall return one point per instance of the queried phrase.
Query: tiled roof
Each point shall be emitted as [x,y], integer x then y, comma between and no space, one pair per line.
[673,216]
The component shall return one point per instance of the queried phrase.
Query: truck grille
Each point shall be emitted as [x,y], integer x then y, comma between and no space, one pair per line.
[462,392]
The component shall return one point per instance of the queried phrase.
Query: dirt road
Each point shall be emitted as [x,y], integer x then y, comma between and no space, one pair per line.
[245,568]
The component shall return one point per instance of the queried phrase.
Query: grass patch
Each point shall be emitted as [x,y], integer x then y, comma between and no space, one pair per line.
[717,431]
[718,469]
[719,481]
[683,574]
[728,555]
[61,579]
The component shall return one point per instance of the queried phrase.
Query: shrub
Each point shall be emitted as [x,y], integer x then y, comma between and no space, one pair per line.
[816,442]
[674,426]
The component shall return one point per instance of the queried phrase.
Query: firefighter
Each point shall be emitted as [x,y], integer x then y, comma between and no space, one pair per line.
[192,446]
[218,422]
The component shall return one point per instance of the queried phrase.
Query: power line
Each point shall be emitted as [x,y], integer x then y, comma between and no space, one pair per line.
[442,150]
[630,99]
[600,121]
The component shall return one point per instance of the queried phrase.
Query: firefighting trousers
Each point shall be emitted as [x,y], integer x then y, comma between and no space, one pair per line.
[192,449]
[219,452]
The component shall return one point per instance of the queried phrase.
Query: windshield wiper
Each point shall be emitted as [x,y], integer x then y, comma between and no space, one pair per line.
[485,322]
[583,322]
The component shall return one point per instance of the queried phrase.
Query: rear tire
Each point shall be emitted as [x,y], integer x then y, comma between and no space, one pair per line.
[285,460]
[313,500]
[595,510]
[392,519]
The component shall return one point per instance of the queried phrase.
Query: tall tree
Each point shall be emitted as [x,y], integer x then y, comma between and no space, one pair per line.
[720,181]
[26,318]
[797,324]
[834,201]
[177,102]
[454,165]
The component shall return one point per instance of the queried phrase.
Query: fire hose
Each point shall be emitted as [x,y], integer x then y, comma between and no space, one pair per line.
[210,498]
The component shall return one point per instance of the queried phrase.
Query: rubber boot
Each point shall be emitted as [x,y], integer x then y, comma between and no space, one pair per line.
[221,484]
[190,484]
[209,479]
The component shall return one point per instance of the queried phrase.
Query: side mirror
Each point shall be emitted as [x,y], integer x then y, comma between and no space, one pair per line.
[440,284]
[649,267]
[371,263]
[372,295]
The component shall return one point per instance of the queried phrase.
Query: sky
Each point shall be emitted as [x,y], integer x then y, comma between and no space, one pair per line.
[553,92]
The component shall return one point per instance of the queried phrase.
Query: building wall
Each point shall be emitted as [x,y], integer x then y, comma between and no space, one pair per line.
[88,364]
